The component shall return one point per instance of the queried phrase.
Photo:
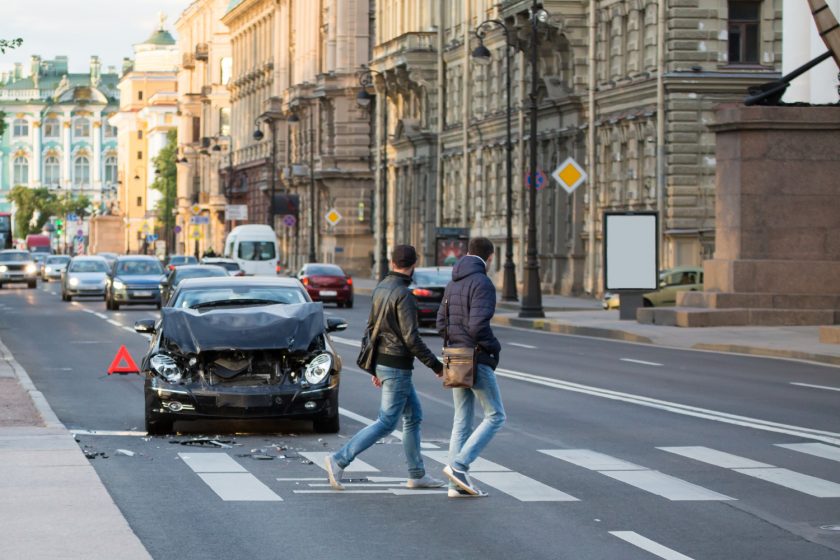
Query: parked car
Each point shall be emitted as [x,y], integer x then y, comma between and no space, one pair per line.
[327,283]
[18,267]
[179,273]
[54,266]
[133,280]
[230,265]
[255,248]
[278,362]
[427,285]
[180,260]
[84,276]
[671,281]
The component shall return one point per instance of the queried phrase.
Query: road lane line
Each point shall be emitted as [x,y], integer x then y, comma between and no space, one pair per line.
[521,487]
[81,432]
[347,341]
[655,482]
[100,315]
[479,465]
[520,345]
[826,387]
[130,329]
[212,463]
[816,449]
[642,362]
[357,465]
[239,487]
[115,323]
[715,457]
[799,482]
[648,545]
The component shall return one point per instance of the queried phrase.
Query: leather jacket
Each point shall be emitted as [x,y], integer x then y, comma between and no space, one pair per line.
[399,340]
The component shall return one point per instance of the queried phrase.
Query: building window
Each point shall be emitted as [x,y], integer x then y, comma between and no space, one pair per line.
[20,128]
[51,128]
[226,69]
[21,170]
[139,134]
[81,128]
[140,96]
[224,121]
[140,155]
[52,171]
[81,172]
[110,131]
[139,201]
[110,170]
[744,37]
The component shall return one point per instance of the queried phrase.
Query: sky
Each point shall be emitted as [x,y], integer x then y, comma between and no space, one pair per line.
[82,28]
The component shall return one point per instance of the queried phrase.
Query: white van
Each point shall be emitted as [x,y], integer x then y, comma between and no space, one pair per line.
[255,248]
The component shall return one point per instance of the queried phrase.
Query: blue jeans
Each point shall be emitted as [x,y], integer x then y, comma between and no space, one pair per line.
[398,399]
[467,444]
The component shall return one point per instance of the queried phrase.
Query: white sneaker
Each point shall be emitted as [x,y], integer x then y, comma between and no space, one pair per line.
[458,493]
[425,482]
[334,473]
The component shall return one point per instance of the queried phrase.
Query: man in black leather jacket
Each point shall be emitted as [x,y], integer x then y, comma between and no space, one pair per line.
[397,344]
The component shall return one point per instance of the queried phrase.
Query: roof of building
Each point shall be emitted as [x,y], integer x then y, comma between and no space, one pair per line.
[160,37]
[233,4]
[52,81]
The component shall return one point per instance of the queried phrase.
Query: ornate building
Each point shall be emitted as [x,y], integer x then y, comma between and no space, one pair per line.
[204,140]
[298,62]
[57,134]
[630,102]
[148,103]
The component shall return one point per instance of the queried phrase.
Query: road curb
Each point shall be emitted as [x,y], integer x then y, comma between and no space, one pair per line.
[38,400]
[565,328]
[769,353]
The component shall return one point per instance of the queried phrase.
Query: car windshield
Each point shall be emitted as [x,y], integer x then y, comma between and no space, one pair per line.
[58,260]
[183,259]
[87,266]
[323,270]
[199,273]
[436,278]
[132,268]
[256,250]
[229,266]
[239,295]
[15,257]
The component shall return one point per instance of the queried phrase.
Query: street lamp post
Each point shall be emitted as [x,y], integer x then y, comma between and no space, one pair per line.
[294,120]
[364,99]
[258,135]
[532,297]
[481,55]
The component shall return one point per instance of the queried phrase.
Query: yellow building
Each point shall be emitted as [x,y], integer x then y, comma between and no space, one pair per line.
[148,103]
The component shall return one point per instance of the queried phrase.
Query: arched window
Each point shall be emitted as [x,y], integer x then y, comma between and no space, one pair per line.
[52,128]
[81,128]
[21,170]
[110,170]
[81,172]
[20,128]
[52,171]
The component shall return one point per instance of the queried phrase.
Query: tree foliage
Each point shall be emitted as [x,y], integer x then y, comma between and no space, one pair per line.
[44,204]
[166,176]
[9,44]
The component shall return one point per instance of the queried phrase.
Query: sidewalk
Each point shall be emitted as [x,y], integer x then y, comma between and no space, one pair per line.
[584,316]
[54,505]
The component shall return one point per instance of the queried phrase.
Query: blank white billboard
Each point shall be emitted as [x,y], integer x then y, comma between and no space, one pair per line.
[630,253]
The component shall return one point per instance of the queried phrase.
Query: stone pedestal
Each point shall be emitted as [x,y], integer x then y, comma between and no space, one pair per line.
[106,235]
[777,208]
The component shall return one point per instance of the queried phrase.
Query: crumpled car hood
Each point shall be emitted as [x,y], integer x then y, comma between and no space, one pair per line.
[265,327]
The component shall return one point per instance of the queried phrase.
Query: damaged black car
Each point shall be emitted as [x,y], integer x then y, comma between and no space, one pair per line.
[241,348]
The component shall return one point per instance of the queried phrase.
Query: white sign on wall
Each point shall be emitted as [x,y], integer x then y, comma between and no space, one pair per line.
[236,212]
[631,251]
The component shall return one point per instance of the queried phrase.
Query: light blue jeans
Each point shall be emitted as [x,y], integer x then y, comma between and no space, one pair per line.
[467,444]
[398,399]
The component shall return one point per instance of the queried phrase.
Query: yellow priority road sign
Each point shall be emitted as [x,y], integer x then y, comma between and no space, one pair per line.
[195,209]
[570,175]
[196,233]
[333,217]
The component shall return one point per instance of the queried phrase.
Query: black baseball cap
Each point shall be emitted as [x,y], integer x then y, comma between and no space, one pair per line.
[404,256]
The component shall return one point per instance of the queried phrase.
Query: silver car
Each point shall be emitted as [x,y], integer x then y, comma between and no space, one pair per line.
[54,266]
[85,276]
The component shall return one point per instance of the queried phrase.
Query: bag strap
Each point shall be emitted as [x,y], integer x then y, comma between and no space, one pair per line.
[446,322]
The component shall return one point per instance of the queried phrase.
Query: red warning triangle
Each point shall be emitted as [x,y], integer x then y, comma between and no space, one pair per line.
[123,356]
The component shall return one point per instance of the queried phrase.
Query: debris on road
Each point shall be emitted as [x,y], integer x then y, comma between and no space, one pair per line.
[205,442]
[125,452]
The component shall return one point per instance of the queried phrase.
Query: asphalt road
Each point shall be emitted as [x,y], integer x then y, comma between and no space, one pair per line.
[611,451]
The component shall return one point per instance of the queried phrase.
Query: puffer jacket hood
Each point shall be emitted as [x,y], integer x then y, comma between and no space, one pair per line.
[466,266]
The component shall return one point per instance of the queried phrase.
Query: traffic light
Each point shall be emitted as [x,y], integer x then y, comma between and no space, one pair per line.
[59,226]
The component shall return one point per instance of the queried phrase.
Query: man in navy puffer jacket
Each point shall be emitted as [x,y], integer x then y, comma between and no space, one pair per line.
[471,298]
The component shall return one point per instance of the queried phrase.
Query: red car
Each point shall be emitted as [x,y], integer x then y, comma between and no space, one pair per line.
[327,283]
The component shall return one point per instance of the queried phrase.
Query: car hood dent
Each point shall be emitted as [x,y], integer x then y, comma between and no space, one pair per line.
[267,327]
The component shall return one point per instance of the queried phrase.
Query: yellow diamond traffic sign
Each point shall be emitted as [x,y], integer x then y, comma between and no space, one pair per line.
[570,175]
[333,217]
[195,208]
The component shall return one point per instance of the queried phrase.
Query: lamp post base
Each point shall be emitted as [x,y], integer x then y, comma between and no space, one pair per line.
[509,285]
[532,296]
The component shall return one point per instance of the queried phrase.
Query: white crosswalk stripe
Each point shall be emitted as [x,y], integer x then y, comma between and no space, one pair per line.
[816,449]
[648,545]
[228,479]
[358,465]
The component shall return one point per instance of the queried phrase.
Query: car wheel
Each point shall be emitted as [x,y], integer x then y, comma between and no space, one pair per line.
[349,304]
[647,303]
[156,426]
[115,306]
[64,297]
[31,285]
[327,424]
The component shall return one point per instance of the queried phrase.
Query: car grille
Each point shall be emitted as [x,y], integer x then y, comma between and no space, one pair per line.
[15,267]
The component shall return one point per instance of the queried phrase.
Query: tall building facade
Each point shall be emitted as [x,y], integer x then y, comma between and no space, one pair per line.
[295,77]
[57,133]
[204,140]
[147,112]
[625,87]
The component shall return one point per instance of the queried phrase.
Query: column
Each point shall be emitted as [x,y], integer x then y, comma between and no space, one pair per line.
[96,172]
[35,164]
[66,177]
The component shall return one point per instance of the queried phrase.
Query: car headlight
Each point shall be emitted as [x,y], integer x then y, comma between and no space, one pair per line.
[318,369]
[3,268]
[49,269]
[118,285]
[165,366]
[74,281]
[31,269]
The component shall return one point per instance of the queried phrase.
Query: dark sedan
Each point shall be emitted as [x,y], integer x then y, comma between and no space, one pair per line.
[327,283]
[180,273]
[244,348]
[427,285]
[180,260]
[134,280]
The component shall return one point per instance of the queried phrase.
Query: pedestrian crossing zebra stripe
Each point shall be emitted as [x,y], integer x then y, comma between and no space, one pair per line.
[648,545]
[816,449]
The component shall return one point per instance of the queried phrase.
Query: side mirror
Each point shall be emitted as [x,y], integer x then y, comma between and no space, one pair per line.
[336,324]
[145,326]
[663,284]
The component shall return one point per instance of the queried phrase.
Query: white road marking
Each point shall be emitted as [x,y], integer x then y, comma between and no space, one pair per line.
[239,487]
[479,465]
[357,465]
[655,482]
[115,323]
[816,449]
[806,484]
[644,363]
[312,479]
[212,463]
[368,421]
[826,387]
[353,484]
[340,492]
[648,545]
[100,315]
[129,329]
[347,341]
[387,479]
[520,345]
[676,408]
[521,487]
[80,432]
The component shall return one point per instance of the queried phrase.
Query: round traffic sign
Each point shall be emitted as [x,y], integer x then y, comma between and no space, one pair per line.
[289,220]
[177,229]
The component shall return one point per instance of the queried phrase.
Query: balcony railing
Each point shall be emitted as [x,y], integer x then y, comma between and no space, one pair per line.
[414,41]
[202,52]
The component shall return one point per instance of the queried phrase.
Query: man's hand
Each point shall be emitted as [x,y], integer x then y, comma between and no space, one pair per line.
[376,381]
[439,371]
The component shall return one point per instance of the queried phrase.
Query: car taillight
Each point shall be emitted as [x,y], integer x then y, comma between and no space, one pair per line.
[171,267]
[349,281]
[421,292]
[278,269]
[305,281]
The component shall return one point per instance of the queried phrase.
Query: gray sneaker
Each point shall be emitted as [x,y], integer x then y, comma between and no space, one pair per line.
[460,479]
[425,482]
[458,493]
[334,473]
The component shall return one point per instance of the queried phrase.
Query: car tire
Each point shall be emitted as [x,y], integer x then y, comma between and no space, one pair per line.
[349,304]
[647,303]
[64,297]
[156,426]
[115,306]
[158,305]
[31,285]
[327,424]
[339,304]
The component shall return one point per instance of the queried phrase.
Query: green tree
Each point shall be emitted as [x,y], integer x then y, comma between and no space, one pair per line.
[166,176]
[9,44]
[41,200]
